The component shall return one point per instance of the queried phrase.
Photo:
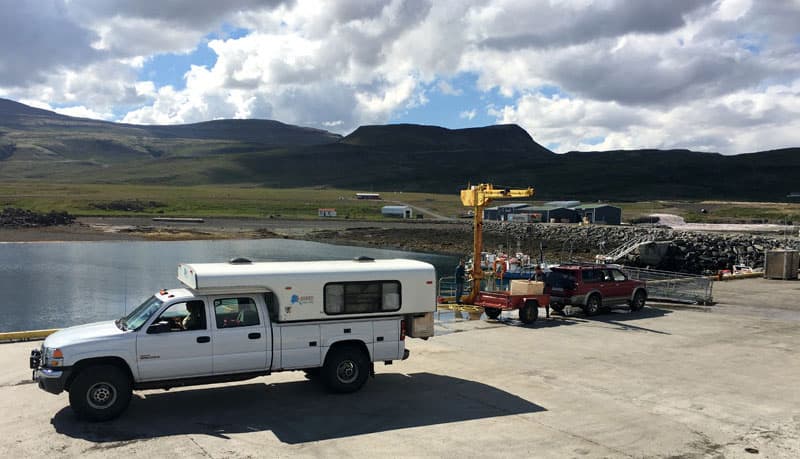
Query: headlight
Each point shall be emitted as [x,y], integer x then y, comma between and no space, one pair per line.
[52,358]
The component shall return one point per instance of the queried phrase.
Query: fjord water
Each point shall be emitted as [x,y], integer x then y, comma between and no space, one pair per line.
[60,284]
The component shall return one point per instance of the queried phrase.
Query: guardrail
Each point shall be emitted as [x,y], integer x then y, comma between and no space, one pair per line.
[674,286]
[26,335]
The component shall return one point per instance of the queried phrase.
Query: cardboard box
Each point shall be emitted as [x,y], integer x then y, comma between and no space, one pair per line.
[524,287]
[420,326]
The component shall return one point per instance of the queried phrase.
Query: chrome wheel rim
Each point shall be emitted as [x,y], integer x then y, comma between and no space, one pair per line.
[347,371]
[101,395]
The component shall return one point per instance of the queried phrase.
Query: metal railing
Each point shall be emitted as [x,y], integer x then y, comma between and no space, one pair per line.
[673,286]
[624,249]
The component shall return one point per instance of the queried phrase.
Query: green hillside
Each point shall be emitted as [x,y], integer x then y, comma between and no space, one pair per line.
[41,145]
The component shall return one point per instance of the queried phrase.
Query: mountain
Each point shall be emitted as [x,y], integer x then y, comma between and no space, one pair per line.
[28,133]
[38,144]
[404,137]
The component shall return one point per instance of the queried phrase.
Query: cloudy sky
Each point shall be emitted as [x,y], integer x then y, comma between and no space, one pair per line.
[713,75]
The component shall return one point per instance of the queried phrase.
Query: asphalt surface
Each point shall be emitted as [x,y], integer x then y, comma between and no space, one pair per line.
[668,381]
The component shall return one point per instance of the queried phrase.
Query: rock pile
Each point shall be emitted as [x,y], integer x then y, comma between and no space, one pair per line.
[21,218]
[691,252]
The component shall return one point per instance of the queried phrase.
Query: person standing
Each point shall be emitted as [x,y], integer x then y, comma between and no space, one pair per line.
[539,275]
[460,274]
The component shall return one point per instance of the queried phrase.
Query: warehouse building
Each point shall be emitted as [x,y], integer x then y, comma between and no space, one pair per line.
[502,212]
[602,214]
[552,214]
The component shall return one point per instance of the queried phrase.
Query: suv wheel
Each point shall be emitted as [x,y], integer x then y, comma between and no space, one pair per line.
[593,305]
[492,313]
[100,393]
[638,301]
[529,312]
[346,369]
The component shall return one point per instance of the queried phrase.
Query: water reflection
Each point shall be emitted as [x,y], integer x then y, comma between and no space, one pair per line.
[53,285]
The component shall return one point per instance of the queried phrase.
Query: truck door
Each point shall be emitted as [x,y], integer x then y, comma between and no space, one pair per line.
[177,343]
[242,340]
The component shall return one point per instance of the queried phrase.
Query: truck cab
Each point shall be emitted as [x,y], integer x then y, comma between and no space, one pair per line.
[235,321]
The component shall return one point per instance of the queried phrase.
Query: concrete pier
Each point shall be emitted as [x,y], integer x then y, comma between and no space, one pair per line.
[715,381]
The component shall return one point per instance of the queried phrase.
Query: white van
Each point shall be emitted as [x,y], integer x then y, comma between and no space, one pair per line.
[238,320]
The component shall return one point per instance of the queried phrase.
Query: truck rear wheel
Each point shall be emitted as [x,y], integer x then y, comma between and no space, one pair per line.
[346,369]
[492,313]
[593,305]
[100,393]
[638,301]
[529,312]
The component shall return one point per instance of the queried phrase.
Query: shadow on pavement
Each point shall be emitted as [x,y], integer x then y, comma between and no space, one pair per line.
[618,317]
[298,412]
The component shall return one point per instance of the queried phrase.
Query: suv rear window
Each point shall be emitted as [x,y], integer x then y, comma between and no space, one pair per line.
[561,278]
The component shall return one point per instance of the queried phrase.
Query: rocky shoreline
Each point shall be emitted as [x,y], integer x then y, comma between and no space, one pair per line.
[687,251]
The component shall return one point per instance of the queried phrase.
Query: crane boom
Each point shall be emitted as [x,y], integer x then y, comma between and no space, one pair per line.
[478,197]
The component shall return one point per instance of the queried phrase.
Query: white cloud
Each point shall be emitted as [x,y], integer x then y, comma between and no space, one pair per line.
[734,122]
[713,74]
[82,112]
[468,114]
[448,89]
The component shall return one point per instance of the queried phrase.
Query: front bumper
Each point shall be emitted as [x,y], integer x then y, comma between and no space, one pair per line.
[49,379]
[53,381]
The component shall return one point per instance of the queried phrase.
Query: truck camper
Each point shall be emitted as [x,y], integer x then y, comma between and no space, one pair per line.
[239,320]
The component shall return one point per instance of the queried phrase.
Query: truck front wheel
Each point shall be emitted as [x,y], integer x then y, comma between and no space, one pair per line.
[100,393]
[492,313]
[346,369]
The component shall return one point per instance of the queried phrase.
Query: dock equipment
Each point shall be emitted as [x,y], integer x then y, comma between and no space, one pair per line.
[478,197]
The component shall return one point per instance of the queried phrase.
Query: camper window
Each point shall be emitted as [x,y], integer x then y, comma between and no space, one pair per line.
[362,297]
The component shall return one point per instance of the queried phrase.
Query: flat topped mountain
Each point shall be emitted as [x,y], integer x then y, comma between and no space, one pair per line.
[501,137]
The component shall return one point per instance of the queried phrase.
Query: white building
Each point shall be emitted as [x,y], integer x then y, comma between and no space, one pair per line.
[397,211]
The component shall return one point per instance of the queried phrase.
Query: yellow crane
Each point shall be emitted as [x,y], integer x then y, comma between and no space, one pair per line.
[478,197]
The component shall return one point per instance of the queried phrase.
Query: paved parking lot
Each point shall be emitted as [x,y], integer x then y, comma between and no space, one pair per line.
[668,381]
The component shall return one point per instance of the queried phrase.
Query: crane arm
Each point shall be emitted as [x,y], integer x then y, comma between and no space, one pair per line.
[478,197]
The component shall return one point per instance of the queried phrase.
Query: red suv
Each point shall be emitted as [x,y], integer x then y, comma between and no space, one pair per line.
[593,287]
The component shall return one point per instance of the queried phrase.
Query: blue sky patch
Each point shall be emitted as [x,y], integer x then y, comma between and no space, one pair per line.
[752,42]
[169,68]
[465,106]
[593,140]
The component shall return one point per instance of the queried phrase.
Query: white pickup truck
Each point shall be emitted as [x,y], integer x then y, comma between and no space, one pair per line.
[238,320]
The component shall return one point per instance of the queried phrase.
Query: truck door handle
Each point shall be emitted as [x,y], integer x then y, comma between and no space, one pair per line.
[380,338]
[312,343]
[254,335]
[347,330]
[203,339]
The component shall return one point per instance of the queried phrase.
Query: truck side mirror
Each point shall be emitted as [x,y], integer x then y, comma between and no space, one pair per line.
[160,327]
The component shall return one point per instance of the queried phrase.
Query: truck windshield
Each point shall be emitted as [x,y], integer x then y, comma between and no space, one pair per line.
[139,316]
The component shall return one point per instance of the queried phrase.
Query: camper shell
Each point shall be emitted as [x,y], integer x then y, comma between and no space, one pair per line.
[307,290]
[239,320]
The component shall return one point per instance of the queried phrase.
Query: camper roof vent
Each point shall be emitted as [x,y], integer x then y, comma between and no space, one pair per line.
[240,261]
[363,259]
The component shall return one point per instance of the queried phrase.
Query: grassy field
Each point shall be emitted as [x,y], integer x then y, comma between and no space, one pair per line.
[208,201]
[302,203]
